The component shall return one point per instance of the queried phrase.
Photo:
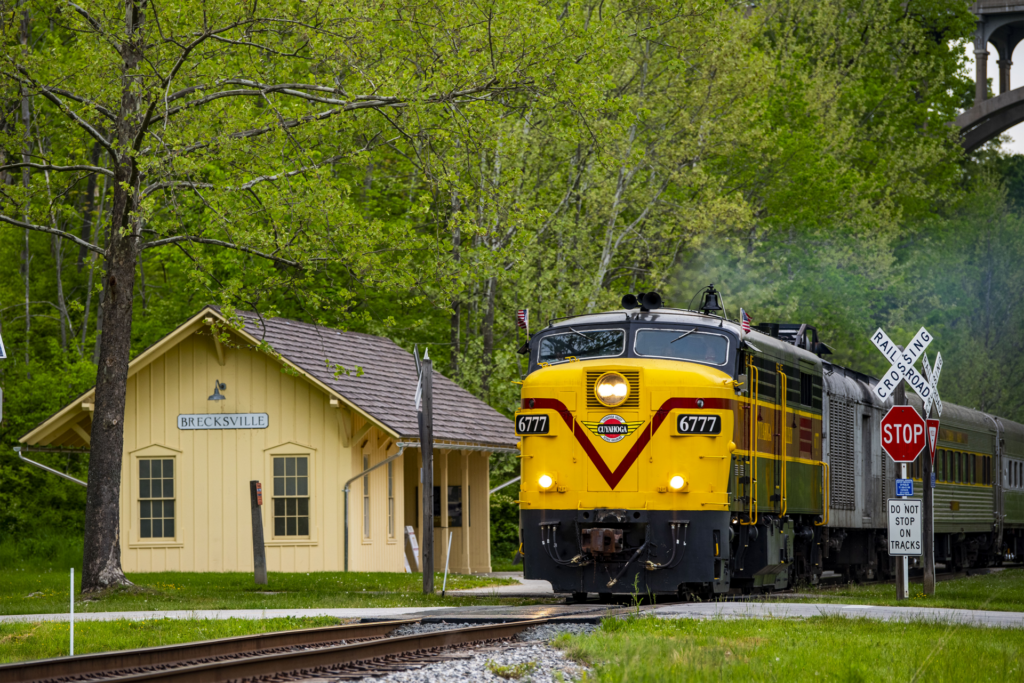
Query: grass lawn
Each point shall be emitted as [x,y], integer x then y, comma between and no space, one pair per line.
[1003,591]
[27,591]
[19,642]
[819,649]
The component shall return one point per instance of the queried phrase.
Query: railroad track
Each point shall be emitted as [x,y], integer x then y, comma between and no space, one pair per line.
[338,652]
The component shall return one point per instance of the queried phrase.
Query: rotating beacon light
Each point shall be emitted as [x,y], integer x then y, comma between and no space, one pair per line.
[611,389]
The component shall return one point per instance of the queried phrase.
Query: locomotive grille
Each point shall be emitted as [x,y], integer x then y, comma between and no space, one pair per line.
[631,376]
[841,454]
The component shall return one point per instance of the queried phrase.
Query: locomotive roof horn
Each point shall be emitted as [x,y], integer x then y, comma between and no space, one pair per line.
[648,301]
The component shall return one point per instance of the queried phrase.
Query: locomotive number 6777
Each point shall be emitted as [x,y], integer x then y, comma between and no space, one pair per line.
[670,451]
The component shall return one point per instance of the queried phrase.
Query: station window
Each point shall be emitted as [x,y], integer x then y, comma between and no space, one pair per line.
[454,506]
[291,496]
[156,498]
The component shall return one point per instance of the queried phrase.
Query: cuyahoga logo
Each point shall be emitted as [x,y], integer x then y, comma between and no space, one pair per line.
[613,428]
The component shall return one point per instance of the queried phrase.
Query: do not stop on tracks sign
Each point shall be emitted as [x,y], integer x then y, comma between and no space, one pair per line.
[903,433]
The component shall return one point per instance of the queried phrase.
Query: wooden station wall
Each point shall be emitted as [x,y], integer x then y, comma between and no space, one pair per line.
[212,470]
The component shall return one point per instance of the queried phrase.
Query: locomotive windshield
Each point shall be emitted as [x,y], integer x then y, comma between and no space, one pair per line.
[683,344]
[581,344]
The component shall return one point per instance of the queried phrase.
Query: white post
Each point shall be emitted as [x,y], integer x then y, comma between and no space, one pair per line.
[905,569]
[448,556]
[72,611]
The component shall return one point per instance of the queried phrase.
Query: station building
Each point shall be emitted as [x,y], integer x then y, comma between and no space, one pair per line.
[304,410]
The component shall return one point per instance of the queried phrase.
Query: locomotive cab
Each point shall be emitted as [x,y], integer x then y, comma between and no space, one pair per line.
[637,470]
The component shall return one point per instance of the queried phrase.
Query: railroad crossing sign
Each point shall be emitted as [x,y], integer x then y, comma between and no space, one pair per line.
[902,364]
[903,433]
[933,382]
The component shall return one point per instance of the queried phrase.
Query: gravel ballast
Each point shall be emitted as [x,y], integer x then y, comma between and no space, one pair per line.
[530,647]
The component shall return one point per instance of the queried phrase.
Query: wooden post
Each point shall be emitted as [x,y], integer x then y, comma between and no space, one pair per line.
[426,420]
[445,521]
[259,551]
[465,511]
[928,528]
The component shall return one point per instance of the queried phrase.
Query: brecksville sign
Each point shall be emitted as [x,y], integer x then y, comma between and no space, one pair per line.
[224,421]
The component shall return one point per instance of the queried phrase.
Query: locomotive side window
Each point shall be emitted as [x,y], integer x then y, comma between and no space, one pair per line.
[806,382]
[555,348]
[682,344]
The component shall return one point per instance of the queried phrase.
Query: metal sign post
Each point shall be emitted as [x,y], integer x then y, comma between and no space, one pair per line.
[932,375]
[903,438]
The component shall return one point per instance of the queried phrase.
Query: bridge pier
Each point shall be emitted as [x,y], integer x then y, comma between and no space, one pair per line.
[1001,23]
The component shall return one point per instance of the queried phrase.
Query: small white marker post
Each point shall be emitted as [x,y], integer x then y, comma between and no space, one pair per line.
[448,556]
[72,611]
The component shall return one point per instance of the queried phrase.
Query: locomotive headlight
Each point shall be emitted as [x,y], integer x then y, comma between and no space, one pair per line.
[611,389]
[545,481]
[676,483]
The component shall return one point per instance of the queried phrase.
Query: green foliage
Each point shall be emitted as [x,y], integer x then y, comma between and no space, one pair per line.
[794,153]
[817,649]
[512,672]
[29,590]
[504,524]
[25,641]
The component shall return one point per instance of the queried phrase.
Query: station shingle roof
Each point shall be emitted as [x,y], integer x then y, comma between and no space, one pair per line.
[387,386]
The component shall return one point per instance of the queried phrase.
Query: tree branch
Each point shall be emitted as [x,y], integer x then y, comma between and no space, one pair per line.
[219,243]
[53,231]
[167,184]
[49,167]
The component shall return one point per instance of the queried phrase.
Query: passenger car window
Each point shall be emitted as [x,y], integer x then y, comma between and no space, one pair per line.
[555,348]
[682,344]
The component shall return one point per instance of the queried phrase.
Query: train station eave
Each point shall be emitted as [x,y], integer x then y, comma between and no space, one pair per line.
[71,425]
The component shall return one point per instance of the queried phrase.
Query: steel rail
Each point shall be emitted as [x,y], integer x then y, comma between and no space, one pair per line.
[266,666]
[97,663]
[278,663]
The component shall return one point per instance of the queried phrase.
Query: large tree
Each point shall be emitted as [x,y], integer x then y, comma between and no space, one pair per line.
[223,130]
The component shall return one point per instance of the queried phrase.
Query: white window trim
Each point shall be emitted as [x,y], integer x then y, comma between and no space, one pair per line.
[284,450]
[153,452]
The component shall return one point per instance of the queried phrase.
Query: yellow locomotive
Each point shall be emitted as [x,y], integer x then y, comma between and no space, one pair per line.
[669,451]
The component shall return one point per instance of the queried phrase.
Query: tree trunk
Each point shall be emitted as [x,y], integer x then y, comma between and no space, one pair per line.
[456,320]
[102,509]
[62,308]
[88,289]
[90,206]
[26,179]
[488,334]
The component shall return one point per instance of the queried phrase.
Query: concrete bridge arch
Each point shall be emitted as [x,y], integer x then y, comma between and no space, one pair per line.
[1000,23]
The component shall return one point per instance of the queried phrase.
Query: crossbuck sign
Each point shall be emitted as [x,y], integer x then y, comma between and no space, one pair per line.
[903,365]
[933,381]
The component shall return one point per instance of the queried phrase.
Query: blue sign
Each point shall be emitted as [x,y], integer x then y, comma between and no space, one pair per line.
[933,478]
[904,487]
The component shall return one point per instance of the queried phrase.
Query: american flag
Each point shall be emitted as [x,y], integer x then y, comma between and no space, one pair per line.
[523,318]
[744,320]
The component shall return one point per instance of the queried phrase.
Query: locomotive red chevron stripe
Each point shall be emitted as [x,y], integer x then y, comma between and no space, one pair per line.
[613,478]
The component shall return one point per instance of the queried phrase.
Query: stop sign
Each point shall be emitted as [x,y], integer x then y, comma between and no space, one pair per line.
[903,433]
